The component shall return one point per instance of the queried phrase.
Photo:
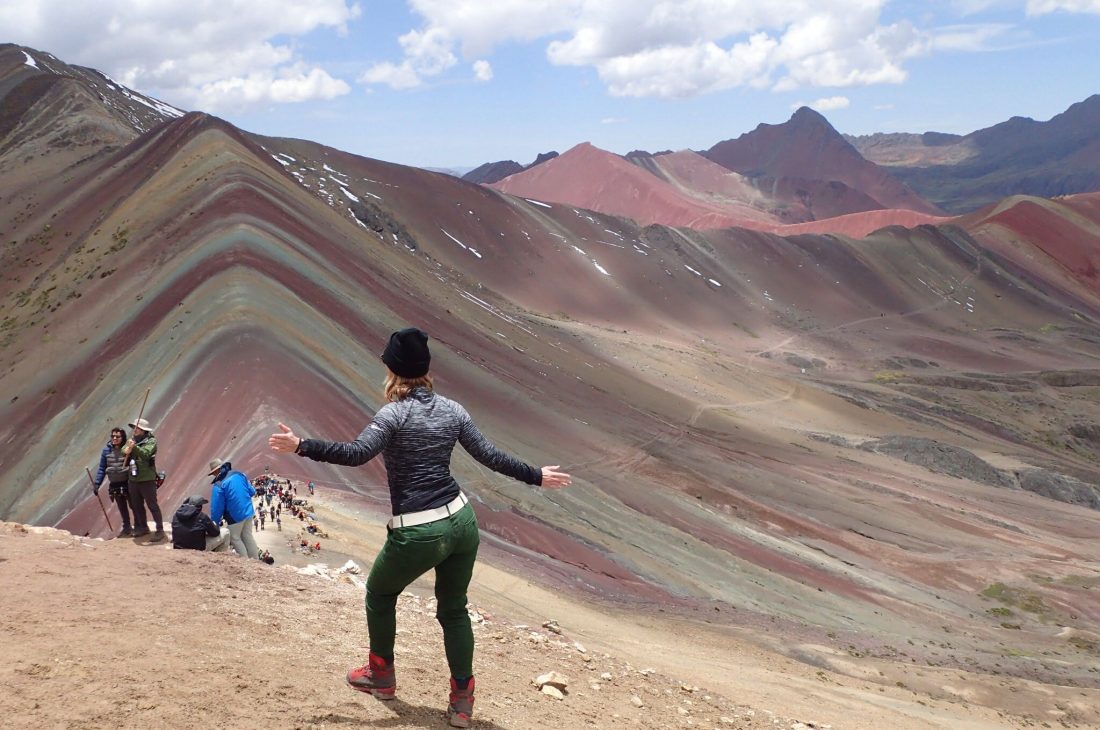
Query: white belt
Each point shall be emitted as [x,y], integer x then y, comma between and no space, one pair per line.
[429,515]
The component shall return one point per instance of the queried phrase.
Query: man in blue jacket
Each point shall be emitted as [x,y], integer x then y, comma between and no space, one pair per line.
[231,500]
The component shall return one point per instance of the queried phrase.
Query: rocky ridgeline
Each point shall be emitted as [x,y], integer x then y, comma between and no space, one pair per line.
[958,462]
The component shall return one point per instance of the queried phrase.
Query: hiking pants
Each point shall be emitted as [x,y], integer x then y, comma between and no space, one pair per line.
[240,536]
[448,545]
[219,544]
[122,500]
[141,494]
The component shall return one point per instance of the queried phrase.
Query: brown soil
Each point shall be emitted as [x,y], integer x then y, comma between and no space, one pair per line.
[129,634]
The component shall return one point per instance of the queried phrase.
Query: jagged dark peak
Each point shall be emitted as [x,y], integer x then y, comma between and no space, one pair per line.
[492,172]
[806,116]
[542,157]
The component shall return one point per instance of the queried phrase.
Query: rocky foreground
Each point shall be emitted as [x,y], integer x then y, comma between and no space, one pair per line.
[122,635]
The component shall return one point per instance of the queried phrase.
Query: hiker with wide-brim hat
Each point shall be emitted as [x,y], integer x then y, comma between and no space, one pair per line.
[231,500]
[433,524]
[141,452]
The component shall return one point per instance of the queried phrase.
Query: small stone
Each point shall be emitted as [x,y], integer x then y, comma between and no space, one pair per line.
[553,679]
[595,686]
[681,710]
[646,672]
[636,701]
[689,688]
[586,658]
[579,647]
[725,720]
[549,689]
[551,626]
[606,676]
[538,638]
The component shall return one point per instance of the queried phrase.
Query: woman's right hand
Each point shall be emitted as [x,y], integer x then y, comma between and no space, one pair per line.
[286,441]
[554,479]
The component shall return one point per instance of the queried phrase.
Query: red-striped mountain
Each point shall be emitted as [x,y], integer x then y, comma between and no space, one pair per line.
[795,173]
[806,152]
[831,446]
[588,177]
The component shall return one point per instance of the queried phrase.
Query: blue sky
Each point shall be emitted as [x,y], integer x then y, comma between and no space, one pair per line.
[453,83]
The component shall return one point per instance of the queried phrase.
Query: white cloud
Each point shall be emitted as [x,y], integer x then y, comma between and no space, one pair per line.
[969,37]
[687,47]
[483,71]
[215,55]
[427,53]
[1042,7]
[826,104]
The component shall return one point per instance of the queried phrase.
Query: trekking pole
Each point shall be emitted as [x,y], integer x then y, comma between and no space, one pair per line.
[98,500]
[140,414]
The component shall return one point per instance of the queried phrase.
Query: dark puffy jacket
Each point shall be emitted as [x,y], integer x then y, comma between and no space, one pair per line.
[112,465]
[191,527]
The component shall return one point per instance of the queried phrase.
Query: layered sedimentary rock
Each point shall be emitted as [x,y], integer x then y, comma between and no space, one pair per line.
[708,389]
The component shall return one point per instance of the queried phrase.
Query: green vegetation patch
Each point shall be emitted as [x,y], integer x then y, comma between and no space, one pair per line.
[1016,597]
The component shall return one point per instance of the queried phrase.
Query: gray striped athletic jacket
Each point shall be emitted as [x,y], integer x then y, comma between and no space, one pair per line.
[415,437]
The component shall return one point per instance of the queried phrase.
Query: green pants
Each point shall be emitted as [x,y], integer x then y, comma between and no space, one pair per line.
[448,545]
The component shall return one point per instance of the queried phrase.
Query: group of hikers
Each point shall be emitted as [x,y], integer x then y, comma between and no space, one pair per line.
[433,526]
[130,468]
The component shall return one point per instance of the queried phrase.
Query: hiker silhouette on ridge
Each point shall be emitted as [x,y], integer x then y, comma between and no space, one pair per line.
[433,524]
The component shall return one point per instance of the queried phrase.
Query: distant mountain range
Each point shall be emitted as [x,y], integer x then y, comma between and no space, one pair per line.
[1018,157]
[804,170]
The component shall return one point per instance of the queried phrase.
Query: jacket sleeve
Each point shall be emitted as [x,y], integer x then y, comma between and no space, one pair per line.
[147,449]
[370,443]
[217,503]
[486,452]
[211,527]
[102,466]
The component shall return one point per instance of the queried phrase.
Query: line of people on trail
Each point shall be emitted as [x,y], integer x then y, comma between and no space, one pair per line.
[232,496]
[130,467]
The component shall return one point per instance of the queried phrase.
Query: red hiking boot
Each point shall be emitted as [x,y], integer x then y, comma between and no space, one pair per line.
[461,708]
[376,678]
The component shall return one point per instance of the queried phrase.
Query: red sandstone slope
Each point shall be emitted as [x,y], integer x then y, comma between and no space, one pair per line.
[807,148]
[589,177]
[697,177]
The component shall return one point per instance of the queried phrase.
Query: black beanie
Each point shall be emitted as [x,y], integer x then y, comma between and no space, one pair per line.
[407,353]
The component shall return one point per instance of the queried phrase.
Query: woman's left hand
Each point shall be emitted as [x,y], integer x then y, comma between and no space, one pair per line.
[286,442]
[554,479]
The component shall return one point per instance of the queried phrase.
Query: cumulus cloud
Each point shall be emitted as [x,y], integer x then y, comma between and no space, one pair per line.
[1042,7]
[826,104]
[215,55]
[427,53]
[483,71]
[682,48]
